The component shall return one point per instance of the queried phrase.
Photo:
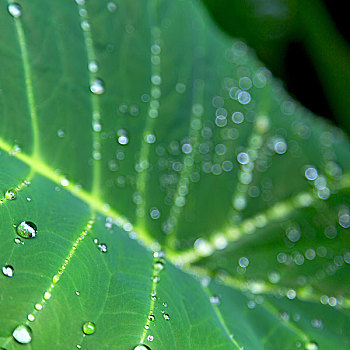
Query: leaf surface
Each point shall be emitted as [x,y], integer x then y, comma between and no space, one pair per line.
[137,127]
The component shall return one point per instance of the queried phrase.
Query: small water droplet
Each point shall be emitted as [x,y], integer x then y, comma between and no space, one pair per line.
[103,247]
[38,307]
[243,158]
[89,328]
[111,6]
[93,66]
[18,241]
[151,317]
[166,317]
[15,10]
[26,229]
[150,338]
[22,334]
[8,270]
[97,87]
[311,346]
[10,194]
[142,347]
[159,265]
[31,317]
[122,137]
[215,300]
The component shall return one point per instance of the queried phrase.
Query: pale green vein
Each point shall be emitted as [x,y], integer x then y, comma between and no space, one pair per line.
[155,281]
[221,319]
[247,227]
[95,104]
[255,142]
[143,163]
[260,287]
[56,278]
[188,161]
[91,199]
[28,83]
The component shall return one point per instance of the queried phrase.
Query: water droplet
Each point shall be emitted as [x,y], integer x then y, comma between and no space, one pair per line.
[122,137]
[111,6]
[159,265]
[89,328]
[93,66]
[243,261]
[243,158]
[97,87]
[311,173]
[38,307]
[154,213]
[311,346]
[10,194]
[18,241]
[150,338]
[26,229]
[102,247]
[237,117]
[22,334]
[31,317]
[142,347]
[215,300]
[151,317]
[166,317]
[8,270]
[15,10]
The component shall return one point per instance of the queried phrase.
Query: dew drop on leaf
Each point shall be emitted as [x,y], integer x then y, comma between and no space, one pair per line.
[102,247]
[215,300]
[93,66]
[8,270]
[10,194]
[159,265]
[26,229]
[89,328]
[311,346]
[151,317]
[15,10]
[22,334]
[166,317]
[18,241]
[142,347]
[111,6]
[243,158]
[97,87]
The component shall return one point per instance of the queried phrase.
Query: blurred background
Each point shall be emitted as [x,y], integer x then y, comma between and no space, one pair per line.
[305,43]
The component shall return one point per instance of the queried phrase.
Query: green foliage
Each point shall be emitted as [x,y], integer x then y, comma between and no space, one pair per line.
[161,188]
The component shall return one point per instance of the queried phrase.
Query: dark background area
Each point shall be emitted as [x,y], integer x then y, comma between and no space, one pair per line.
[305,43]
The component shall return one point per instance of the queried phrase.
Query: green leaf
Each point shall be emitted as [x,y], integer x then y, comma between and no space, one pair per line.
[133,128]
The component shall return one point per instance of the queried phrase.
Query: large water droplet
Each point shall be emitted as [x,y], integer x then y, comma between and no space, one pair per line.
[15,10]
[8,270]
[142,347]
[97,87]
[89,328]
[10,194]
[311,346]
[26,229]
[22,334]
